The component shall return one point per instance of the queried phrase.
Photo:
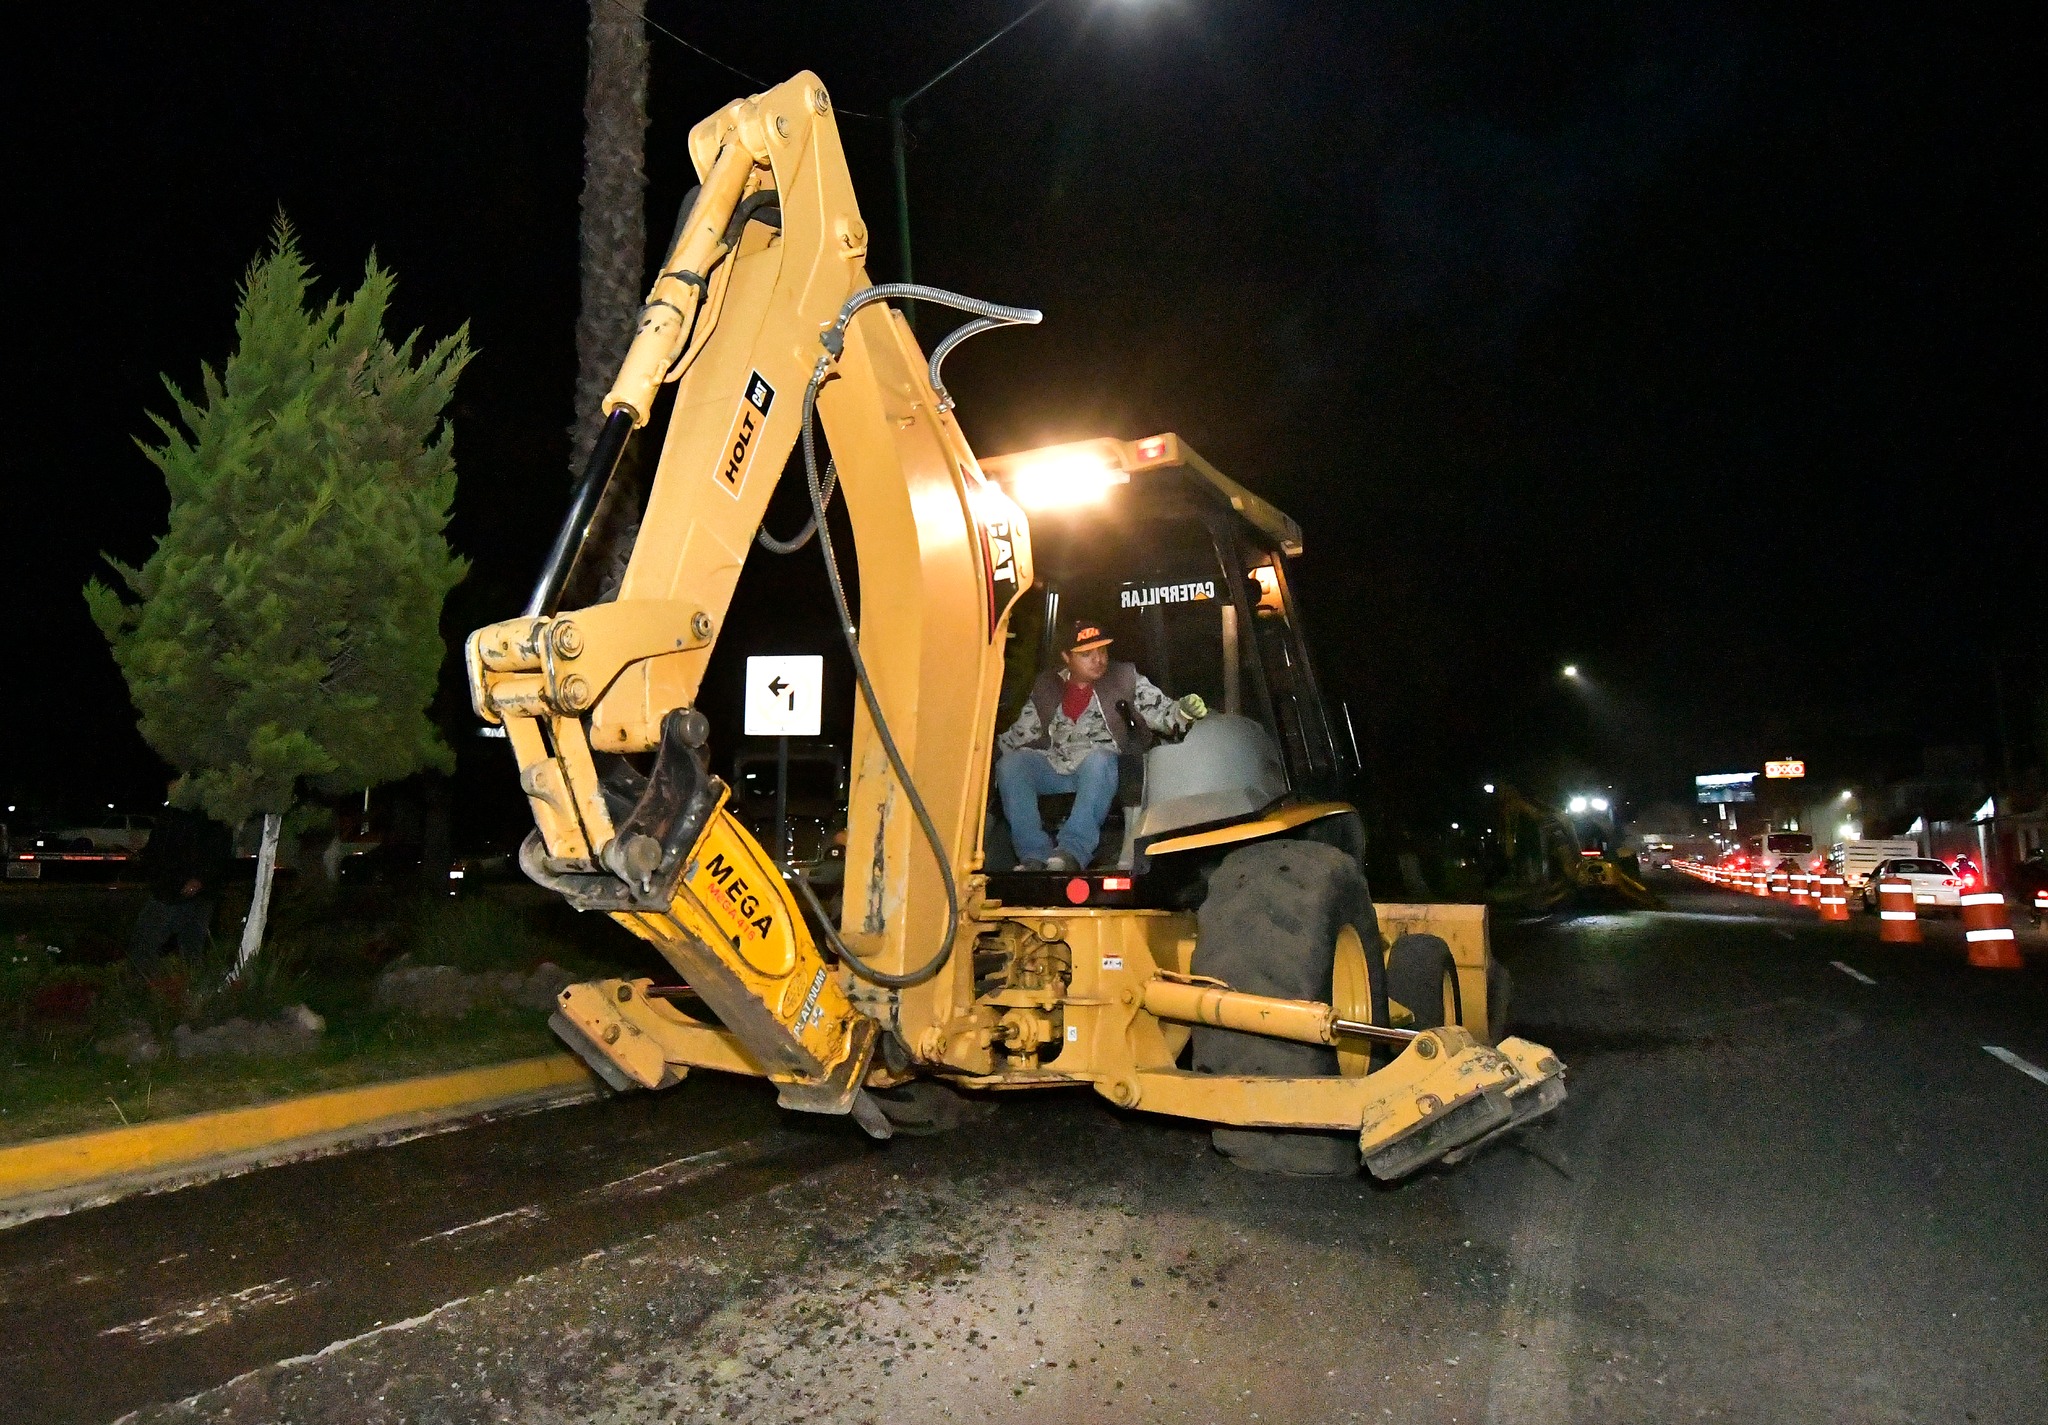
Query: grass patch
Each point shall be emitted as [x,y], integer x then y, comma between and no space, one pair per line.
[65,986]
[77,1093]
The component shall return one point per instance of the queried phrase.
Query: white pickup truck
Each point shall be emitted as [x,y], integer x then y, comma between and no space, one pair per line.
[1853,861]
[116,831]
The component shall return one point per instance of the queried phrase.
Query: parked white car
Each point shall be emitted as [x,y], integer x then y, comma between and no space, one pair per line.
[115,832]
[1933,882]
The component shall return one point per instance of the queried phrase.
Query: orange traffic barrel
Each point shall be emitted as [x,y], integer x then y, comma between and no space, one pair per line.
[1800,882]
[1988,930]
[1898,921]
[1781,883]
[1832,897]
[2041,901]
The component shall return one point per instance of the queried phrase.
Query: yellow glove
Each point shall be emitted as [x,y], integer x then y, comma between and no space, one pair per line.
[1193,708]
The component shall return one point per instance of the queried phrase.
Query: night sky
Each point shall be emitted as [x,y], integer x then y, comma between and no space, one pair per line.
[1699,344]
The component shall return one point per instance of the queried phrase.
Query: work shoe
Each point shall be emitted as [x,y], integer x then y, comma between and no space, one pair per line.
[1030,863]
[1062,861]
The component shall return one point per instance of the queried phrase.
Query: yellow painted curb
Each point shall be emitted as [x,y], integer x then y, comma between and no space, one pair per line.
[53,1163]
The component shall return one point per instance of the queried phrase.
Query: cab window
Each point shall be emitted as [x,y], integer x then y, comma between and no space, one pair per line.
[1164,597]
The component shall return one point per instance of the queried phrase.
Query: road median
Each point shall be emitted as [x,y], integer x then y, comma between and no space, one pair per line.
[53,1175]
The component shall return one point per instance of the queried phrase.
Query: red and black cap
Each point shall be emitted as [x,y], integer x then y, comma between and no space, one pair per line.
[1087,634]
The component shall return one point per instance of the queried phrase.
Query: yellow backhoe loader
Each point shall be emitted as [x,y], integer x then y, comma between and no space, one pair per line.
[1222,962]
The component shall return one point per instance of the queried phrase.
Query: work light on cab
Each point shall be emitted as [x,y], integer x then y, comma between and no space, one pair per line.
[1064,481]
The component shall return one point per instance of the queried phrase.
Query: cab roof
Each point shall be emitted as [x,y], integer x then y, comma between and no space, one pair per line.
[1106,460]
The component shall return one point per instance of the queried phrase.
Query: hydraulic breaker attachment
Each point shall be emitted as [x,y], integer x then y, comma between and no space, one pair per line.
[685,875]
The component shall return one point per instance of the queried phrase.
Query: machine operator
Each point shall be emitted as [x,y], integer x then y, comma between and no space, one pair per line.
[1078,720]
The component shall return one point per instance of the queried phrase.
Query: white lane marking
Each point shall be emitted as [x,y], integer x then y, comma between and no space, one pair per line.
[191,1317]
[521,1213]
[410,1323]
[2006,1056]
[670,1174]
[1857,975]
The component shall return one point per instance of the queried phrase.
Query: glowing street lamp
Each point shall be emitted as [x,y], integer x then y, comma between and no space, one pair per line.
[1571,670]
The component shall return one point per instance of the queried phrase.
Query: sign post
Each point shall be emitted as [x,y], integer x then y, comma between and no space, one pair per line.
[785,699]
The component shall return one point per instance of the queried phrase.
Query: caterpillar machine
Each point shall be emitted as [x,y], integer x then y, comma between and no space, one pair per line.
[1227,966]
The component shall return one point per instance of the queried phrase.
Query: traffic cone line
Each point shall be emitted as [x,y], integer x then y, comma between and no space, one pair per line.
[1800,883]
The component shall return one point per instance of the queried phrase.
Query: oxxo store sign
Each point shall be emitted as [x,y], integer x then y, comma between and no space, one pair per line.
[1783,771]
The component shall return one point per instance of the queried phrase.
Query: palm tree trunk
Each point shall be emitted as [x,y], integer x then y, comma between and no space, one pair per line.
[614,207]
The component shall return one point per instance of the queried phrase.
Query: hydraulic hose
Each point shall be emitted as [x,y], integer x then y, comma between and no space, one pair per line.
[993,316]
[953,339]
[834,341]
[803,536]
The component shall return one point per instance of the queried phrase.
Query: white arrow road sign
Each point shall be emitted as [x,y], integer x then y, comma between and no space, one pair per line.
[785,695]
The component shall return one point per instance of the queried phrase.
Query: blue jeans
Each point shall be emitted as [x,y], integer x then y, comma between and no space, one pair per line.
[1023,776]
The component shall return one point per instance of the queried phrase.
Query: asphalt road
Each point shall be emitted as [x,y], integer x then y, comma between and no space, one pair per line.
[1776,1193]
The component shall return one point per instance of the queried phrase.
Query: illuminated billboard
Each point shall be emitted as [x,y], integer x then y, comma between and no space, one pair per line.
[1725,787]
[1790,768]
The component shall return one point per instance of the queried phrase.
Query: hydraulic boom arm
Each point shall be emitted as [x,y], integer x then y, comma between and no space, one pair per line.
[746,319]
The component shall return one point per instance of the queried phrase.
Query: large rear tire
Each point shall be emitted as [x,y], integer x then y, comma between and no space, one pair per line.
[1275,920]
[1422,975]
[1500,993]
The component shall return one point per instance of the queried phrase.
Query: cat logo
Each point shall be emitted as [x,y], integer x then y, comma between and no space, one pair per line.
[736,455]
[999,558]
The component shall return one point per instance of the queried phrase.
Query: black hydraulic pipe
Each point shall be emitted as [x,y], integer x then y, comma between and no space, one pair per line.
[669,992]
[604,460]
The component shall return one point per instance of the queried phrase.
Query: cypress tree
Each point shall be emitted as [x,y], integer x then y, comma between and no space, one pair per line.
[284,636]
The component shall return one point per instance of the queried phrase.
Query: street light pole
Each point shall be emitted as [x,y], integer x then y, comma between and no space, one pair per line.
[896,145]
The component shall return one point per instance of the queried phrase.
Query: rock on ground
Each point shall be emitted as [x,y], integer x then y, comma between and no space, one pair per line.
[444,992]
[296,1030]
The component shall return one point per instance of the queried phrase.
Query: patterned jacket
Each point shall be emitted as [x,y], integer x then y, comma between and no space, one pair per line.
[1043,724]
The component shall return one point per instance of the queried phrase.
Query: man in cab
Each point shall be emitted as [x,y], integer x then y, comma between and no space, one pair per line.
[1079,719]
